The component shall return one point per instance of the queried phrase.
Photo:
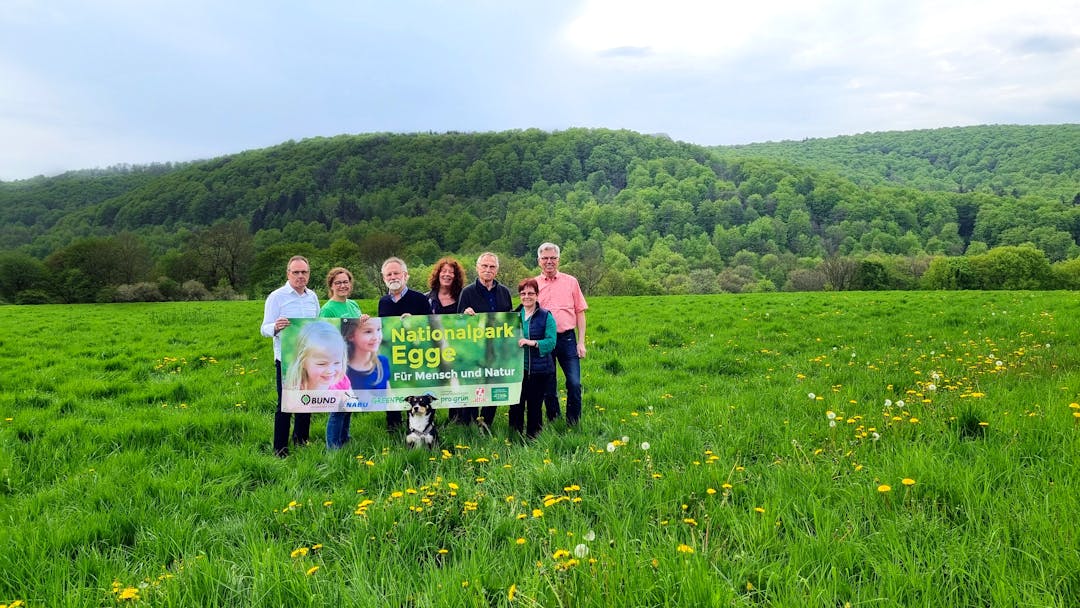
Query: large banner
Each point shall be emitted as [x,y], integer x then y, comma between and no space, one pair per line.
[346,365]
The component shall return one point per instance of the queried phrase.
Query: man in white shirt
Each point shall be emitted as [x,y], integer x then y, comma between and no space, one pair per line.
[291,300]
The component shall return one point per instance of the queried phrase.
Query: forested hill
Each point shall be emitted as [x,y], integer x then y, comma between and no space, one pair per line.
[1004,160]
[350,178]
[636,213]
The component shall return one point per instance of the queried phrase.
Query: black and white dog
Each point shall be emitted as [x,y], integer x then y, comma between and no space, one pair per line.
[422,429]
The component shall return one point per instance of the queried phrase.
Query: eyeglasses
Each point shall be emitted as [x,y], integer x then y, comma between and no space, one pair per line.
[342,283]
[526,293]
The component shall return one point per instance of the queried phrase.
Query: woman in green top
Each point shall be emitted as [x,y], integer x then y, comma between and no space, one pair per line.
[339,282]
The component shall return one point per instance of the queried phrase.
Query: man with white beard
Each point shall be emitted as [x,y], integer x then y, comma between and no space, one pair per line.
[400,301]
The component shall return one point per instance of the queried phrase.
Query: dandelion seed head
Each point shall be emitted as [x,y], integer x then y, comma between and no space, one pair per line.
[611,446]
[812,396]
[645,445]
[581,550]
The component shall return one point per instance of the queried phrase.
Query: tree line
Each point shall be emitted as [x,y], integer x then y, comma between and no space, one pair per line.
[635,214]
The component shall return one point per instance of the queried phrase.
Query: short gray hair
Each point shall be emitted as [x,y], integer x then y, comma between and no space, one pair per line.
[487,254]
[544,247]
[394,260]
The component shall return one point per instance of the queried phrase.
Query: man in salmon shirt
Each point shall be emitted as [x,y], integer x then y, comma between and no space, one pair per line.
[561,295]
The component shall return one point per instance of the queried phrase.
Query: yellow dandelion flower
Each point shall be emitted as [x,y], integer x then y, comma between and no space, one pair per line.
[1073,405]
[749,586]
[907,481]
[560,553]
[312,570]
[520,541]
[302,551]
[521,516]
[316,546]
[684,549]
[726,486]
[710,491]
[464,584]
[511,592]
[128,593]
[443,551]
[690,521]
[884,488]
[759,509]
[537,513]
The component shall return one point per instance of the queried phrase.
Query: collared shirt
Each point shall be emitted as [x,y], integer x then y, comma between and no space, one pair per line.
[561,296]
[286,302]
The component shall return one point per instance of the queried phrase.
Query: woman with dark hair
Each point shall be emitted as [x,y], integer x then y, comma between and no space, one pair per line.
[537,341]
[446,281]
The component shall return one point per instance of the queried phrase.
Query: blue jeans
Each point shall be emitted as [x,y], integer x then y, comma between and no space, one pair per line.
[566,354]
[337,429]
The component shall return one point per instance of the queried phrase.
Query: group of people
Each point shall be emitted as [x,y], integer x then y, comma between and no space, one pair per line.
[552,321]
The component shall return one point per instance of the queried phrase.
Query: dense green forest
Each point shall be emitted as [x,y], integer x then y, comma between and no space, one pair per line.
[977,207]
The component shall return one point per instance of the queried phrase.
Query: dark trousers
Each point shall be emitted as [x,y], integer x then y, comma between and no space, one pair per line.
[528,414]
[281,423]
[566,354]
[468,415]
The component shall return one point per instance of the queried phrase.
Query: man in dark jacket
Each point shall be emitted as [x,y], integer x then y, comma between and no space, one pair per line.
[400,301]
[484,295]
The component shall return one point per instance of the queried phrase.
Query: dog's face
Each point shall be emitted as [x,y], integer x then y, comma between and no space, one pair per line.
[420,405]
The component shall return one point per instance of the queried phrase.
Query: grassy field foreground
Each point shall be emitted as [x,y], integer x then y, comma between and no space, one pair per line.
[862,449]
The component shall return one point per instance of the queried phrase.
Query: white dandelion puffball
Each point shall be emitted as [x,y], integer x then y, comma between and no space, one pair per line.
[581,550]
[645,445]
[611,447]
[812,396]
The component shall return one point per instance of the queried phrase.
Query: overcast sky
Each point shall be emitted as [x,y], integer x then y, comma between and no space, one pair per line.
[93,83]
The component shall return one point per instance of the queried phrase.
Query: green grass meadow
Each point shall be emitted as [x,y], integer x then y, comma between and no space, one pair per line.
[811,449]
